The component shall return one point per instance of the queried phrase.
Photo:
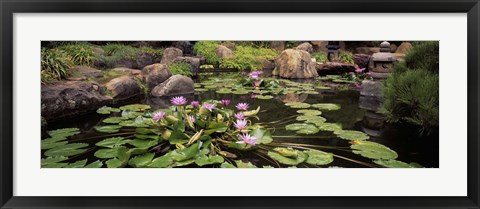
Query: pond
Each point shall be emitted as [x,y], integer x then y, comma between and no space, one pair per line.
[288,110]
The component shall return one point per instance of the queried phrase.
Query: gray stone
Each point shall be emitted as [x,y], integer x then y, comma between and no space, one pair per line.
[155,74]
[277,45]
[361,60]
[371,88]
[223,52]
[404,48]
[124,88]
[67,99]
[306,47]
[128,71]
[175,85]
[293,63]
[334,68]
[170,54]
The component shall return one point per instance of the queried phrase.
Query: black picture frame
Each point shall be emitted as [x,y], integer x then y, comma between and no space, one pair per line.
[10,7]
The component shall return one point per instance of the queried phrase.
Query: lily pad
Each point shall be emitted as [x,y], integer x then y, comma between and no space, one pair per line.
[201,89]
[326,106]
[393,164]
[141,160]
[107,110]
[301,157]
[317,157]
[309,112]
[313,118]
[108,128]
[298,105]
[241,164]
[136,107]
[224,91]
[130,114]
[64,132]
[108,153]
[141,143]
[67,150]
[264,97]
[96,164]
[51,160]
[111,142]
[77,164]
[114,120]
[302,128]
[373,150]
[351,135]
[208,160]
[50,145]
[262,136]
[287,152]
[227,165]
[161,162]
[328,126]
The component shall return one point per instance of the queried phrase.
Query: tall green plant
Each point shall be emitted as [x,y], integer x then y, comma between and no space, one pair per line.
[181,69]
[248,58]
[80,53]
[55,65]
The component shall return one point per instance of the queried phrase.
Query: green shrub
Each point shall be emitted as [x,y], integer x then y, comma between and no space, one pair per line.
[248,58]
[411,93]
[208,50]
[346,57]
[55,65]
[80,53]
[412,96]
[181,68]
[320,57]
[115,52]
[424,55]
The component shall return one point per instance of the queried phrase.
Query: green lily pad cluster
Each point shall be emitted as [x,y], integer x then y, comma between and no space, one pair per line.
[290,156]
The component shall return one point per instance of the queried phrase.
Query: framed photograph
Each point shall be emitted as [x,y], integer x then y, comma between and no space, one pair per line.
[265,104]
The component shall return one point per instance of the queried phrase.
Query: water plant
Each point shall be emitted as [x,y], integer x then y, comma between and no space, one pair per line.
[208,50]
[80,53]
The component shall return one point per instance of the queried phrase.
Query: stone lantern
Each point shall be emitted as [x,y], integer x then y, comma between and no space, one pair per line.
[382,62]
[332,48]
[381,65]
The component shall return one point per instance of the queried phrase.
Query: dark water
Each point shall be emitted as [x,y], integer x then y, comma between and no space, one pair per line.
[406,141]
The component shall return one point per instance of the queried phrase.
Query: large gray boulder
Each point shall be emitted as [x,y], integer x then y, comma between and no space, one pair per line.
[71,98]
[223,52]
[175,85]
[155,74]
[124,88]
[293,63]
[170,54]
[306,47]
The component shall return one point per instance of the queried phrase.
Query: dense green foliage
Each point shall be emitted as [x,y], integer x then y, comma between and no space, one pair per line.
[346,57]
[208,50]
[320,57]
[115,52]
[181,69]
[424,56]
[411,93]
[248,58]
[80,53]
[55,65]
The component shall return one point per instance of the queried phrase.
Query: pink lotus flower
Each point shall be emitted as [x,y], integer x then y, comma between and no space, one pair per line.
[225,102]
[194,103]
[257,83]
[369,73]
[242,106]
[247,139]
[178,101]
[253,96]
[239,115]
[210,107]
[255,74]
[158,115]
[243,73]
[240,124]
[360,70]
